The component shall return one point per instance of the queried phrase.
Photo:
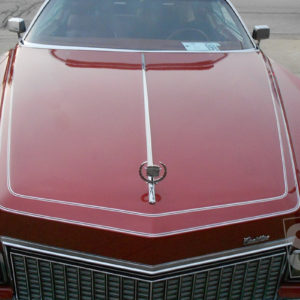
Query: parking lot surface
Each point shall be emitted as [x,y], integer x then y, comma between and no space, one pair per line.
[15,8]
[283,16]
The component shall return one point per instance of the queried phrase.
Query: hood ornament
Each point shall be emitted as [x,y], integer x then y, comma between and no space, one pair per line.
[152,175]
[152,172]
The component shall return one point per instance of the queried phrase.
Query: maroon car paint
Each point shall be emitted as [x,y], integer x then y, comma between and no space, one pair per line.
[4,69]
[289,89]
[53,157]
[73,144]
[6,293]
[289,291]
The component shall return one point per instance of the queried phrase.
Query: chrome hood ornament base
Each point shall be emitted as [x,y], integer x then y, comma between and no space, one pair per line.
[152,176]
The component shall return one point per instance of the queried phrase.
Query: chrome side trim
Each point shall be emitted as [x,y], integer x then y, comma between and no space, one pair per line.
[142,268]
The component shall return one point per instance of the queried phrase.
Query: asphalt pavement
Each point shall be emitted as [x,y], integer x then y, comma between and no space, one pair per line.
[25,9]
[283,16]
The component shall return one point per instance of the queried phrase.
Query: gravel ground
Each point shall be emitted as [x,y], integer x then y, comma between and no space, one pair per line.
[283,16]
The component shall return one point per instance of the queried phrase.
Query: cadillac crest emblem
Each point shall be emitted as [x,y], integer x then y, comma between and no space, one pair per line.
[152,175]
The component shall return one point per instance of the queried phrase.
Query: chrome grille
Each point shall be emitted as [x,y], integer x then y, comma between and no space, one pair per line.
[37,276]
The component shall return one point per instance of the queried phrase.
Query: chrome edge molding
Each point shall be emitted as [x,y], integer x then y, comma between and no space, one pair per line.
[78,48]
[138,267]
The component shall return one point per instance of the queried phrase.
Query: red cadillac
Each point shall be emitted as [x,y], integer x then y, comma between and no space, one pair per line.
[149,150]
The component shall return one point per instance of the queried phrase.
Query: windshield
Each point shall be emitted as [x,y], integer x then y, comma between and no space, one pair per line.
[179,25]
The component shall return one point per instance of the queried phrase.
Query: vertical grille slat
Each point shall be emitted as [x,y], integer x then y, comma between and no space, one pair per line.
[78,283]
[206,285]
[193,287]
[200,285]
[238,283]
[143,290]
[186,287]
[100,286]
[159,289]
[173,287]
[65,281]
[72,283]
[232,281]
[226,282]
[86,283]
[19,277]
[121,288]
[179,288]
[276,268]
[59,281]
[256,280]
[52,280]
[26,277]
[48,278]
[128,289]
[33,278]
[219,284]
[106,286]
[39,276]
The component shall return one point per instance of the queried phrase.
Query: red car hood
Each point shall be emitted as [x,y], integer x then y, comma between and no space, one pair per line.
[73,139]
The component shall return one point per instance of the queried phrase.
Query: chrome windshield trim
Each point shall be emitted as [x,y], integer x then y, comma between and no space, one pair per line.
[34,20]
[242,22]
[58,47]
[142,268]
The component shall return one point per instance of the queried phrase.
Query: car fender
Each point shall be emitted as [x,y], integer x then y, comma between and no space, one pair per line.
[288,87]
[4,73]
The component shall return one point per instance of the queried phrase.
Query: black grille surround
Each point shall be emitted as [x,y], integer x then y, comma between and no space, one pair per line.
[3,278]
[49,277]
